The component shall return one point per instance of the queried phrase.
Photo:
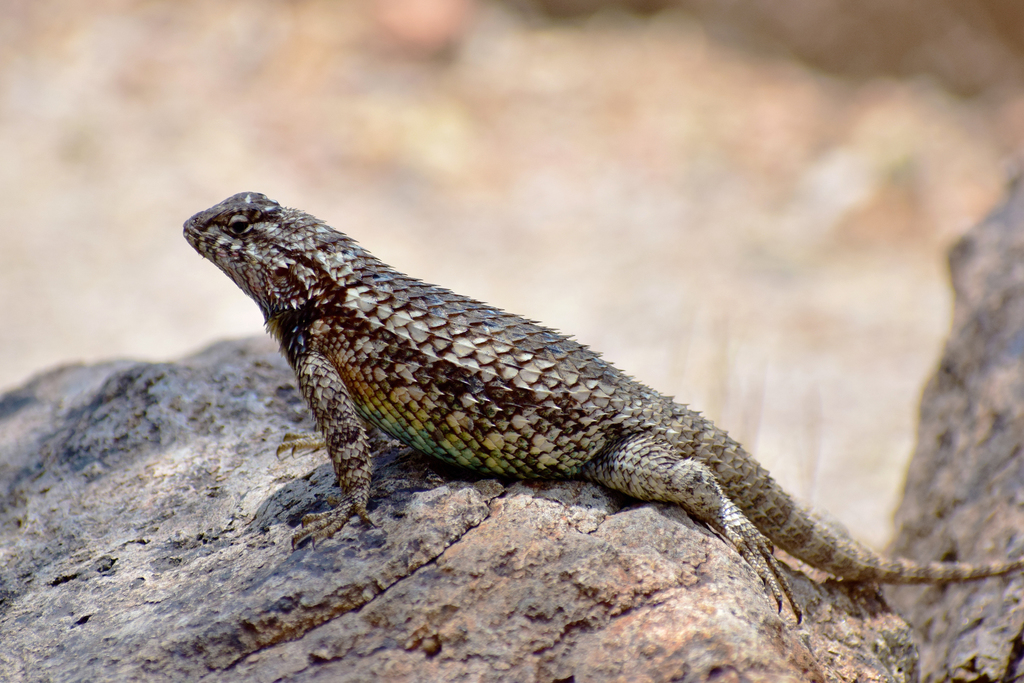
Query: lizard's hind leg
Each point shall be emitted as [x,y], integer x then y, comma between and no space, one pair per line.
[649,468]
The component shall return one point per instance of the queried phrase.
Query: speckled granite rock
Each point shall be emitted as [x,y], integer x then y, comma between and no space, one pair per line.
[146,528]
[964,498]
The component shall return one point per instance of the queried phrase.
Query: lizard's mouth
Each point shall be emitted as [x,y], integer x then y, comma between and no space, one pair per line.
[195,237]
[208,246]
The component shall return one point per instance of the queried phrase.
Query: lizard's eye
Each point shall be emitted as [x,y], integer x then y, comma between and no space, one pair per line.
[239,224]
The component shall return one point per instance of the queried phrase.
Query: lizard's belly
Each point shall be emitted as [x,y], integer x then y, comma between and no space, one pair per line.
[520,440]
[498,418]
[467,439]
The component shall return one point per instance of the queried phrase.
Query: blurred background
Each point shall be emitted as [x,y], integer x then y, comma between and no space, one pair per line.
[743,203]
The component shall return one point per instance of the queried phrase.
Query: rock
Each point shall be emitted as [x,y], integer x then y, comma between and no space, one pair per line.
[423,28]
[964,44]
[146,529]
[964,497]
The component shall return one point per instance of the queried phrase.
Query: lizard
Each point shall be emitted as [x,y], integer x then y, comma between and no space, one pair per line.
[494,392]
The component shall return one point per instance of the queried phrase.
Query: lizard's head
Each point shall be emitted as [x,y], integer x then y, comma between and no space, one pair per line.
[282,258]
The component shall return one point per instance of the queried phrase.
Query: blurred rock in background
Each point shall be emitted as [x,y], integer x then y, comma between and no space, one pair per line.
[423,27]
[970,46]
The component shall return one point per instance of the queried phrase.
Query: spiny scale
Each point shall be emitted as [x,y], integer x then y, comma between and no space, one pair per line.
[489,390]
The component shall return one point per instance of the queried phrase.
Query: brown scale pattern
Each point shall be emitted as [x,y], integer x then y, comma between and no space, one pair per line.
[491,391]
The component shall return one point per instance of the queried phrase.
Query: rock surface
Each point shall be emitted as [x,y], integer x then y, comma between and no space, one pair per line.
[964,498]
[146,534]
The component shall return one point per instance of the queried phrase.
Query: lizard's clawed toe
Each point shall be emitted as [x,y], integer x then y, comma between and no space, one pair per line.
[323,525]
[293,444]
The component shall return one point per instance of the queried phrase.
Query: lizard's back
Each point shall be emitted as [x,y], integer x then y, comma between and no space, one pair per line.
[480,387]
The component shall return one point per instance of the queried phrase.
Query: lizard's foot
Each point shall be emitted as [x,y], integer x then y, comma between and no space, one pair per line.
[293,444]
[323,525]
[757,551]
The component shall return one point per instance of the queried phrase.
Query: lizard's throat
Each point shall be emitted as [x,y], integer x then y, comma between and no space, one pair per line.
[290,327]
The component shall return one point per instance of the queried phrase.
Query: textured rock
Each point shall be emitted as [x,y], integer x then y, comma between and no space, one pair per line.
[146,526]
[965,490]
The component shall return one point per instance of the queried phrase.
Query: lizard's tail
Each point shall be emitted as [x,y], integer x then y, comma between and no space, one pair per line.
[805,534]
[829,547]
[907,571]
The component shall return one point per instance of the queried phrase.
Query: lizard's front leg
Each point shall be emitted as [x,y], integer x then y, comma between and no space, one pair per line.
[346,441]
[648,468]
[294,444]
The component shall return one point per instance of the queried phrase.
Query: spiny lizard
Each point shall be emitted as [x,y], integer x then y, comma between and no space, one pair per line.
[495,392]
